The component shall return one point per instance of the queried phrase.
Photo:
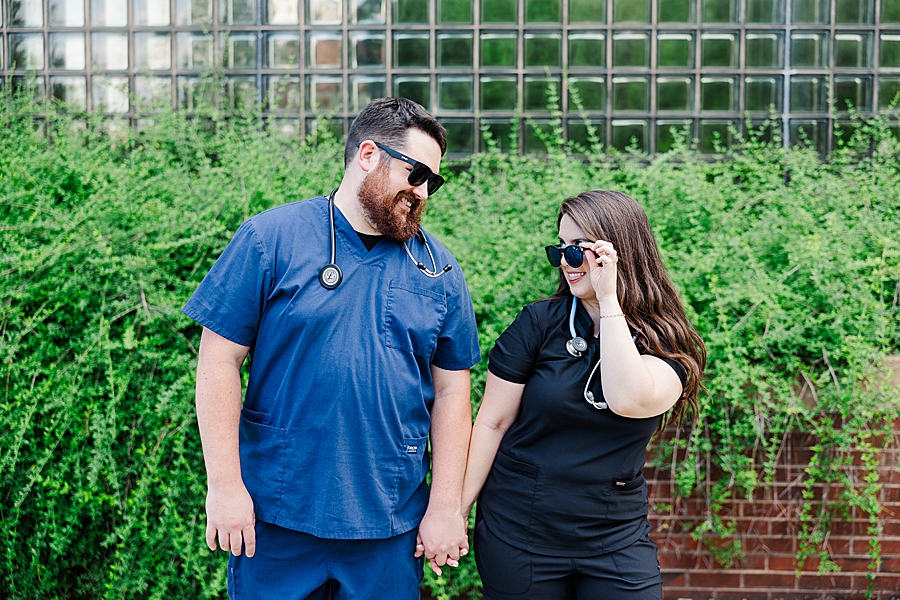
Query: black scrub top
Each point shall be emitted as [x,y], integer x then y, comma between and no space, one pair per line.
[567,478]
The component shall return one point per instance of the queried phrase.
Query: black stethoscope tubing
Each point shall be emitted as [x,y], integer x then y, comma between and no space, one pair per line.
[330,276]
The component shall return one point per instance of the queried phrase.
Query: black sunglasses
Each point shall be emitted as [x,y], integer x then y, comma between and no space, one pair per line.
[420,172]
[574,255]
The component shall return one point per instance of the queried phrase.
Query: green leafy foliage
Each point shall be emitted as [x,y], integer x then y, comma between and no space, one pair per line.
[788,267]
[104,237]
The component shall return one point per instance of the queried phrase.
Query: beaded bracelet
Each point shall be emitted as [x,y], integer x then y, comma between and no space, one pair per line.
[610,316]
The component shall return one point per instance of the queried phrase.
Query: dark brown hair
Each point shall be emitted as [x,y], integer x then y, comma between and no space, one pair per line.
[386,120]
[646,294]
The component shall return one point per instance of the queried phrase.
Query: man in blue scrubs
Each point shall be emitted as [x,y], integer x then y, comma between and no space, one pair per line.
[316,481]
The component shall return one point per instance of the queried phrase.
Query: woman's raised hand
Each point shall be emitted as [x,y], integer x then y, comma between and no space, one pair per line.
[602,260]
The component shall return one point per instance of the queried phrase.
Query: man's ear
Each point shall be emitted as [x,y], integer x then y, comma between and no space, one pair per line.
[367,155]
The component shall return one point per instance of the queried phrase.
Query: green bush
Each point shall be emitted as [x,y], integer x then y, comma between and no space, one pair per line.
[788,266]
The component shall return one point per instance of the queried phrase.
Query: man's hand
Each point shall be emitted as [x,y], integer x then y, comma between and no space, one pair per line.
[442,539]
[230,519]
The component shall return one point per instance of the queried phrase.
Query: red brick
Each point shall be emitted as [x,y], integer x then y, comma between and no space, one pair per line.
[838,545]
[861,546]
[890,564]
[714,579]
[782,528]
[853,565]
[890,523]
[718,594]
[771,544]
[825,594]
[683,595]
[811,566]
[767,527]
[677,543]
[769,580]
[801,456]
[683,562]
[659,489]
[767,509]
[676,526]
[782,562]
[854,527]
[829,581]
[890,546]
[754,562]
[884,581]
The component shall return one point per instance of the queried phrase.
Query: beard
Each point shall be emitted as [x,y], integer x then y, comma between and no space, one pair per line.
[381,209]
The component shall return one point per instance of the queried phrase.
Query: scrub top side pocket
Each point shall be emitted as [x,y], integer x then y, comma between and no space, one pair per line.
[413,319]
[508,497]
[262,449]
[628,501]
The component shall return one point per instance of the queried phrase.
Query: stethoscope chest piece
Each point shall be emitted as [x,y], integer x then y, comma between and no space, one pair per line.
[330,276]
[576,346]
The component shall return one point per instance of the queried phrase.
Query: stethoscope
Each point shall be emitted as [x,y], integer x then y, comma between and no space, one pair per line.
[330,276]
[576,347]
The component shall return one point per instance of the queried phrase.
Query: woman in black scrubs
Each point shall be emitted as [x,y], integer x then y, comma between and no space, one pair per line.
[577,385]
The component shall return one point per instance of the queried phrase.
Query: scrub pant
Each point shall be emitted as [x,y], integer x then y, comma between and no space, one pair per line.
[290,565]
[510,573]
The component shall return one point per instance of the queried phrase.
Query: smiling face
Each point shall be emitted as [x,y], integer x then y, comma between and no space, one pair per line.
[391,205]
[578,278]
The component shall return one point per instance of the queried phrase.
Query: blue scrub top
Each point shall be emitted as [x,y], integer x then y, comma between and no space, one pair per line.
[336,415]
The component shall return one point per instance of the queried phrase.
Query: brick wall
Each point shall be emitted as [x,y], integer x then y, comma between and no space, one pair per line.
[767,526]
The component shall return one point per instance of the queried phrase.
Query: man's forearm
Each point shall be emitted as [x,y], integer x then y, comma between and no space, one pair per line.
[229,507]
[219,408]
[451,425]
[442,533]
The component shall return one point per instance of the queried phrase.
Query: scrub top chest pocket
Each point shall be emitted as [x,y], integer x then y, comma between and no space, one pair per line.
[413,319]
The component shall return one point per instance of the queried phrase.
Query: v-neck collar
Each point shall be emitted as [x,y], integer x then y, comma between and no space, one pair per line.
[348,239]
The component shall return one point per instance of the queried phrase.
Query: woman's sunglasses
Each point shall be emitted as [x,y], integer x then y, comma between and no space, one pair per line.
[574,255]
[420,172]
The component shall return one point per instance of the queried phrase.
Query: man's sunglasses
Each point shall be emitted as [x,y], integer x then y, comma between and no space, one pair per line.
[574,255]
[420,172]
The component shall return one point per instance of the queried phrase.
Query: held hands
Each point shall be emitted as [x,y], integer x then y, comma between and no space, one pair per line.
[230,520]
[442,539]
[602,257]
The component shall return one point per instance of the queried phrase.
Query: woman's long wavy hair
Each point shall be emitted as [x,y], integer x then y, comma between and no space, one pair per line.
[646,294]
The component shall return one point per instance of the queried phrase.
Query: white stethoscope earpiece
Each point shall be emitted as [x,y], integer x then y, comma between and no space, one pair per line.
[576,347]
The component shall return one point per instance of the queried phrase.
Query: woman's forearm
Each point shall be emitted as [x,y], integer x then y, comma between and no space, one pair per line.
[498,411]
[482,452]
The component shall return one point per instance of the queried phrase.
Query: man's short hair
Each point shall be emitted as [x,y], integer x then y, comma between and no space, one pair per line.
[386,120]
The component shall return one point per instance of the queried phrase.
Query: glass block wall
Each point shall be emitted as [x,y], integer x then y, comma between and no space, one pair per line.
[637,69]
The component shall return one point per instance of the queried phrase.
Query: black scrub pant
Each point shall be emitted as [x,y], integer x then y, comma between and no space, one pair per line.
[510,573]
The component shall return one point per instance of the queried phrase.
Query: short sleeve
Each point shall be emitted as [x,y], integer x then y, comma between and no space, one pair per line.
[231,298]
[679,368]
[516,350]
[457,344]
